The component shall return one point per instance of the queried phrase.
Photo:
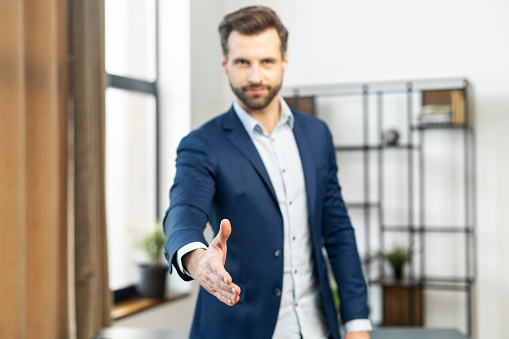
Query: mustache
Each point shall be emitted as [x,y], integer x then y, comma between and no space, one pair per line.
[248,87]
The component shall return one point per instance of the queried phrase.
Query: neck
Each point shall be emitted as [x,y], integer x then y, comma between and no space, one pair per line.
[268,116]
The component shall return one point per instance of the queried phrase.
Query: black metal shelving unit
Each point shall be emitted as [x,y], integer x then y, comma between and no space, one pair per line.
[416,228]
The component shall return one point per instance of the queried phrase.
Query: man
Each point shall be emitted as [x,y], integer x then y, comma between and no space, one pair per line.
[265,177]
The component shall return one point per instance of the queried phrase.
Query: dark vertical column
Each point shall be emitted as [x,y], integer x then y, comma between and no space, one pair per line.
[411,235]
[469,206]
[380,178]
[365,152]
[422,212]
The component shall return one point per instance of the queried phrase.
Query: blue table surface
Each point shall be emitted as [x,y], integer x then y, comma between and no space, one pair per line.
[379,333]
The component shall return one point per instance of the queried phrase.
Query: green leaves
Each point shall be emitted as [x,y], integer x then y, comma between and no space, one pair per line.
[152,244]
[397,255]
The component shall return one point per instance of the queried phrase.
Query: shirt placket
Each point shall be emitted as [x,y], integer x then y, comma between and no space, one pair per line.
[290,231]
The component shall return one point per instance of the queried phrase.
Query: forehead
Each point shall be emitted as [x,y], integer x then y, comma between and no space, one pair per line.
[264,44]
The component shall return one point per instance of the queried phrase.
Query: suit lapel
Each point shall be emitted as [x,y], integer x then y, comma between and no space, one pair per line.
[237,135]
[303,140]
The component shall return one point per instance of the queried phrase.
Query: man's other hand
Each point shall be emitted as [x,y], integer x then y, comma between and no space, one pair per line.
[207,267]
[357,335]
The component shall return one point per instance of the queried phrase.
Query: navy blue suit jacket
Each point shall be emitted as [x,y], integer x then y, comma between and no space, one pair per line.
[221,175]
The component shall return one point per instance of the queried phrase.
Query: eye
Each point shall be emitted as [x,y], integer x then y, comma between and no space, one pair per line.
[268,62]
[241,62]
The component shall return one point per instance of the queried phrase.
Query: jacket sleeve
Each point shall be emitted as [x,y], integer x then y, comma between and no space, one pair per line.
[340,244]
[190,198]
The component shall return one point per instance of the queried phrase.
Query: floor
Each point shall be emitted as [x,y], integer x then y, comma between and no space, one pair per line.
[172,315]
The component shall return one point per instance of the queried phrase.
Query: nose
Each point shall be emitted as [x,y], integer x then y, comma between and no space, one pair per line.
[254,74]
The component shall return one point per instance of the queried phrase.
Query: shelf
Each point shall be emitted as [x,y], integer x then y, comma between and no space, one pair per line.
[432,283]
[439,126]
[428,229]
[396,283]
[375,147]
[362,205]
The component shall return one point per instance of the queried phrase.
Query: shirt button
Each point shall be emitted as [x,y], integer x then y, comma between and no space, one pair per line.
[290,202]
[293,238]
[277,292]
[295,271]
[284,171]
[278,253]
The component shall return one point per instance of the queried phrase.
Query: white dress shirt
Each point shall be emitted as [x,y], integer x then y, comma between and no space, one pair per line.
[301,313]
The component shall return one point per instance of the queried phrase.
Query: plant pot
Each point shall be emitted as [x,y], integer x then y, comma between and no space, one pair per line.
[152,281]
[398,273]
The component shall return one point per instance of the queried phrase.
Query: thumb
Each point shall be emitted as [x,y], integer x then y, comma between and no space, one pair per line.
[219,242]
[225,229]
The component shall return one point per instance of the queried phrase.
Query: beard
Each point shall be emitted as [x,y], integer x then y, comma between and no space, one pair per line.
[255,102]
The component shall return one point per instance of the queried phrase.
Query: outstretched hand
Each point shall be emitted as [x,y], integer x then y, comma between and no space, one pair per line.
[207,267]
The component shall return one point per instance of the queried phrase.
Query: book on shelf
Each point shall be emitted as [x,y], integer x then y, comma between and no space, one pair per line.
[443,107]
[458,107]
[431,119]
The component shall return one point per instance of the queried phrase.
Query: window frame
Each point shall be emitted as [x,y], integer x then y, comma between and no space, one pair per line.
[143,87]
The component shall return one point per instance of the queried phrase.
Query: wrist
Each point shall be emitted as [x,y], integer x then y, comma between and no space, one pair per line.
[190,259]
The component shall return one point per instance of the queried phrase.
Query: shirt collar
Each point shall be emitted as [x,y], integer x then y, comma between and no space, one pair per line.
[251,124]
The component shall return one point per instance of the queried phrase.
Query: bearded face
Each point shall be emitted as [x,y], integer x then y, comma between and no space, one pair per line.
[255,68]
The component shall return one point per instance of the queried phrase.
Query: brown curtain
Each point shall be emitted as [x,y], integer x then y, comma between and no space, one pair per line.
[53,263]
[93,298]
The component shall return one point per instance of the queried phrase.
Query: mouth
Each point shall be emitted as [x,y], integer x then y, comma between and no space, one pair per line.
[256,90]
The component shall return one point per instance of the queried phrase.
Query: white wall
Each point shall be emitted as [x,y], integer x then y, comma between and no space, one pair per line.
[209,89]
[175,96]
[340,41]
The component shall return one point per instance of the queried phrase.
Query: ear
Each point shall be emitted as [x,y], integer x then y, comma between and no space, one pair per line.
[285,61]
[224,62]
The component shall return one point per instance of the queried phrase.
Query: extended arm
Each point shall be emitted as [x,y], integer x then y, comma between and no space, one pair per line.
[191,196]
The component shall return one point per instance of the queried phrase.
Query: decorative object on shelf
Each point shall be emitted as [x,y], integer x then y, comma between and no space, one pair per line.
[390,137]
[304,104]
[443,107]
[397,256]
[152,275]
[402,304]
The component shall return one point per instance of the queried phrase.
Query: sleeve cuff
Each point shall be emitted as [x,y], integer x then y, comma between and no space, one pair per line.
[186,249]
[358,325]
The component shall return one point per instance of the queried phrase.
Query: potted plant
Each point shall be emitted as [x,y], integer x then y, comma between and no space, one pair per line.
[152,274]
[397,256]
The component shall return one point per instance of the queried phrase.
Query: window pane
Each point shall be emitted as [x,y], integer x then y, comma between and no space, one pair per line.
[130,179]
[130,38]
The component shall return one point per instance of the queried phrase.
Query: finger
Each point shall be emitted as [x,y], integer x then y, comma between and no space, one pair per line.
[223,299]
[235,289]
[227,294]
[215,283]
[230,290]
[225,229]
[222,274]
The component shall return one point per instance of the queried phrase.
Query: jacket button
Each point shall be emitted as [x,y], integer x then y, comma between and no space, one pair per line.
[277,292]
[278,253]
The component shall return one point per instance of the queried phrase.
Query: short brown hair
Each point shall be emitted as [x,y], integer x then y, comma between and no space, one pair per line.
[249,21]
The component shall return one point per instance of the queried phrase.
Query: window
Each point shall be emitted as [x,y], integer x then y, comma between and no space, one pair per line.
[132,137]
